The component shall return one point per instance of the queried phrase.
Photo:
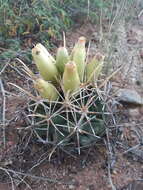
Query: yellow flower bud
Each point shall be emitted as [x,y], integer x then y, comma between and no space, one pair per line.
[61,59]
[94,68]
[71,81]
[45,63]
[78,55]
[46,89]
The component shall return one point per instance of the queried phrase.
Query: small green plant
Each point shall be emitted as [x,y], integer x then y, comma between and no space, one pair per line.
[68,111]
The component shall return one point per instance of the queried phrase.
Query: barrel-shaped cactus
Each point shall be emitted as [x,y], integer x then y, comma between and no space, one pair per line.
[71,112]
[75,123]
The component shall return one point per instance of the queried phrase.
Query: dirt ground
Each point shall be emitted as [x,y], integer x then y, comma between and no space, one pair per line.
[117,165]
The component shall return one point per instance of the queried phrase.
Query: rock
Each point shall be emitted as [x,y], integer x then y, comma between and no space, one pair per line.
[134,113]
[127,96]
[71,187]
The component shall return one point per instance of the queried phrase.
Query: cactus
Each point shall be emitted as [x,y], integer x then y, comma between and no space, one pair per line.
[77,122]
[71,114]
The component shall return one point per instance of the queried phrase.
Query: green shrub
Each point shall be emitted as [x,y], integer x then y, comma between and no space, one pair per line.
[41,20]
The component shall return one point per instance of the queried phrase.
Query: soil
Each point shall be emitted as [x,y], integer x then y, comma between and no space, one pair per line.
[116,165]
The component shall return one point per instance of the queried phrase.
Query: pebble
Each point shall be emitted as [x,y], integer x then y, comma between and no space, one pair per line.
[134,112]
[129,97]
[71,186]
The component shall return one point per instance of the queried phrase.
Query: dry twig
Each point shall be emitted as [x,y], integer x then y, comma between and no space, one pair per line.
[3,111]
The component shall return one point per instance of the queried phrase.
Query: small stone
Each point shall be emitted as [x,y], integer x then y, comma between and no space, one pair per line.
[114,172]
[129,97]
[134,112]
[71,186]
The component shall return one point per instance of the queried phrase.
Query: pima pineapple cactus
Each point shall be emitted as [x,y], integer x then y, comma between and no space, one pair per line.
[70,112]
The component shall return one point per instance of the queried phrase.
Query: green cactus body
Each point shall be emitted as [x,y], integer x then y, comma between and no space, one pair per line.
[71,81]
[61,59]
[78,55]
[94,68]
[61,129]
[45,63]
[46,89]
